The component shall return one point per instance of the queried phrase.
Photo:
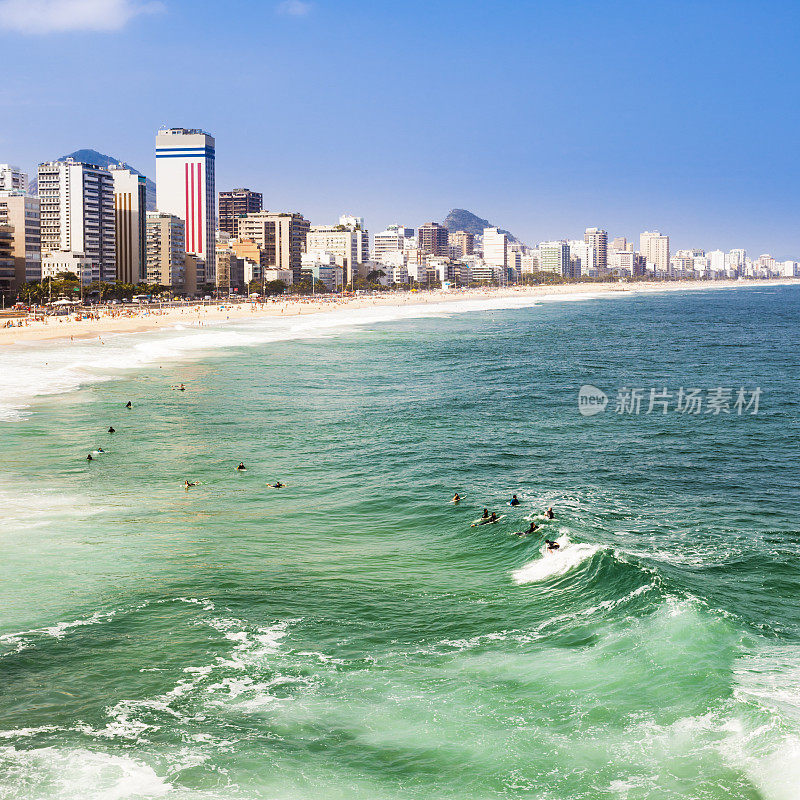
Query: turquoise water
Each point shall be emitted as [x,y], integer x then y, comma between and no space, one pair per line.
[351,636]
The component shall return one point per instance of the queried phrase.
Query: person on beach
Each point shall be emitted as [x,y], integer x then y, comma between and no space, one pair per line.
[549,513]
[513,501]
[241,465]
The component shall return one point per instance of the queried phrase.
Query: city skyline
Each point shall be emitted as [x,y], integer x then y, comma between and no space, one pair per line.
[593,124]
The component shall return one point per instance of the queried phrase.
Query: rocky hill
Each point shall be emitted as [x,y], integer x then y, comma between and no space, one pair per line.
[459,219]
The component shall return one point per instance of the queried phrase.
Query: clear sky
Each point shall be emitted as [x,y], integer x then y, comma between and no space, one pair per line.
[545,116]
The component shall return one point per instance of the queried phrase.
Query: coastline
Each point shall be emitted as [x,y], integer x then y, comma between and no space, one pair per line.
[219,313]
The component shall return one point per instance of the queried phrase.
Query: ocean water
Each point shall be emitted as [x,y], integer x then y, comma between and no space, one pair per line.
[352,635]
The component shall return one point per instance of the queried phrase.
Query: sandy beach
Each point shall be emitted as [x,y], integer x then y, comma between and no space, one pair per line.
[122,319]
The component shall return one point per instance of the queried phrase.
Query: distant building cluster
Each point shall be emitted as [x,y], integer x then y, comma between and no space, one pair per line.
[93,221]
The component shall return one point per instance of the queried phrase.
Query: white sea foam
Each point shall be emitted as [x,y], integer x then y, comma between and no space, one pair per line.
[49,368]
[555,563]
[65,774]
[23,640]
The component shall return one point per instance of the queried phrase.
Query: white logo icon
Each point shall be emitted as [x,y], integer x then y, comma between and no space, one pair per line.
[591,400]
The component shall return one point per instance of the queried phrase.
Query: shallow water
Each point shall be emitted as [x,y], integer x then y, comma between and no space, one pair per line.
[351,636]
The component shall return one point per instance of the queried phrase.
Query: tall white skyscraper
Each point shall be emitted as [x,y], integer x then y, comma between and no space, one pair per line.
[77,215]
[185,187]
[495,248]
[654,246]
[554,257]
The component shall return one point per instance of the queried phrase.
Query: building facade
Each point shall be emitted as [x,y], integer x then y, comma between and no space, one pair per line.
[434,239]
[185,187]
[654,246]
[76,203]
[554,257]
[281,235]
[165,250]
[236,203]
[22,213]
[598,239]
[495,248]
[130,214]
[13,179]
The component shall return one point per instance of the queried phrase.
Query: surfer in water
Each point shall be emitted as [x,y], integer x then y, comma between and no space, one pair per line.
[241,465]
[532,528]
[549,513]
[276,485]
[111,430]
[552,545]
[485,514]
[513,501]
[456,498]
[89,457]
[128,404]
[188,484]
[493,518]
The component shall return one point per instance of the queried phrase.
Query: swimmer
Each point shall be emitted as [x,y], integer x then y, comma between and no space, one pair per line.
[89,457]
[513,501]
[111,430]
[241,465]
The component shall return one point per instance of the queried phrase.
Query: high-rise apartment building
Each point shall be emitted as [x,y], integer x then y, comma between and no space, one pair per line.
[554,257]
[13,179]
[654,246]
[8,276]
[395,239]
[185,187]
[349,245]
[130,213]
[495,248]
[166,250]
[598,239]
[583,259]
[433,238]
[76,204]
[281,235]
[463,241]
[234,204]
[22,213]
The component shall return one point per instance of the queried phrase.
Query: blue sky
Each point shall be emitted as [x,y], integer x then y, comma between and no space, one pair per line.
[545,117]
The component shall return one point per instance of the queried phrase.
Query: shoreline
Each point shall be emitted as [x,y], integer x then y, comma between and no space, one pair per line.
[120,321]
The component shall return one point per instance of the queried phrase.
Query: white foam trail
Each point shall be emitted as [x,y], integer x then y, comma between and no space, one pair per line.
[555,563]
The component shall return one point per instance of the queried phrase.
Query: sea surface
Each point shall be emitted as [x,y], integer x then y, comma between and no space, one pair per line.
[351,636]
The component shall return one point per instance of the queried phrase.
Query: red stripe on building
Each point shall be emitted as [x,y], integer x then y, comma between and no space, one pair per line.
[200,208]
[191,207]
[186,220]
